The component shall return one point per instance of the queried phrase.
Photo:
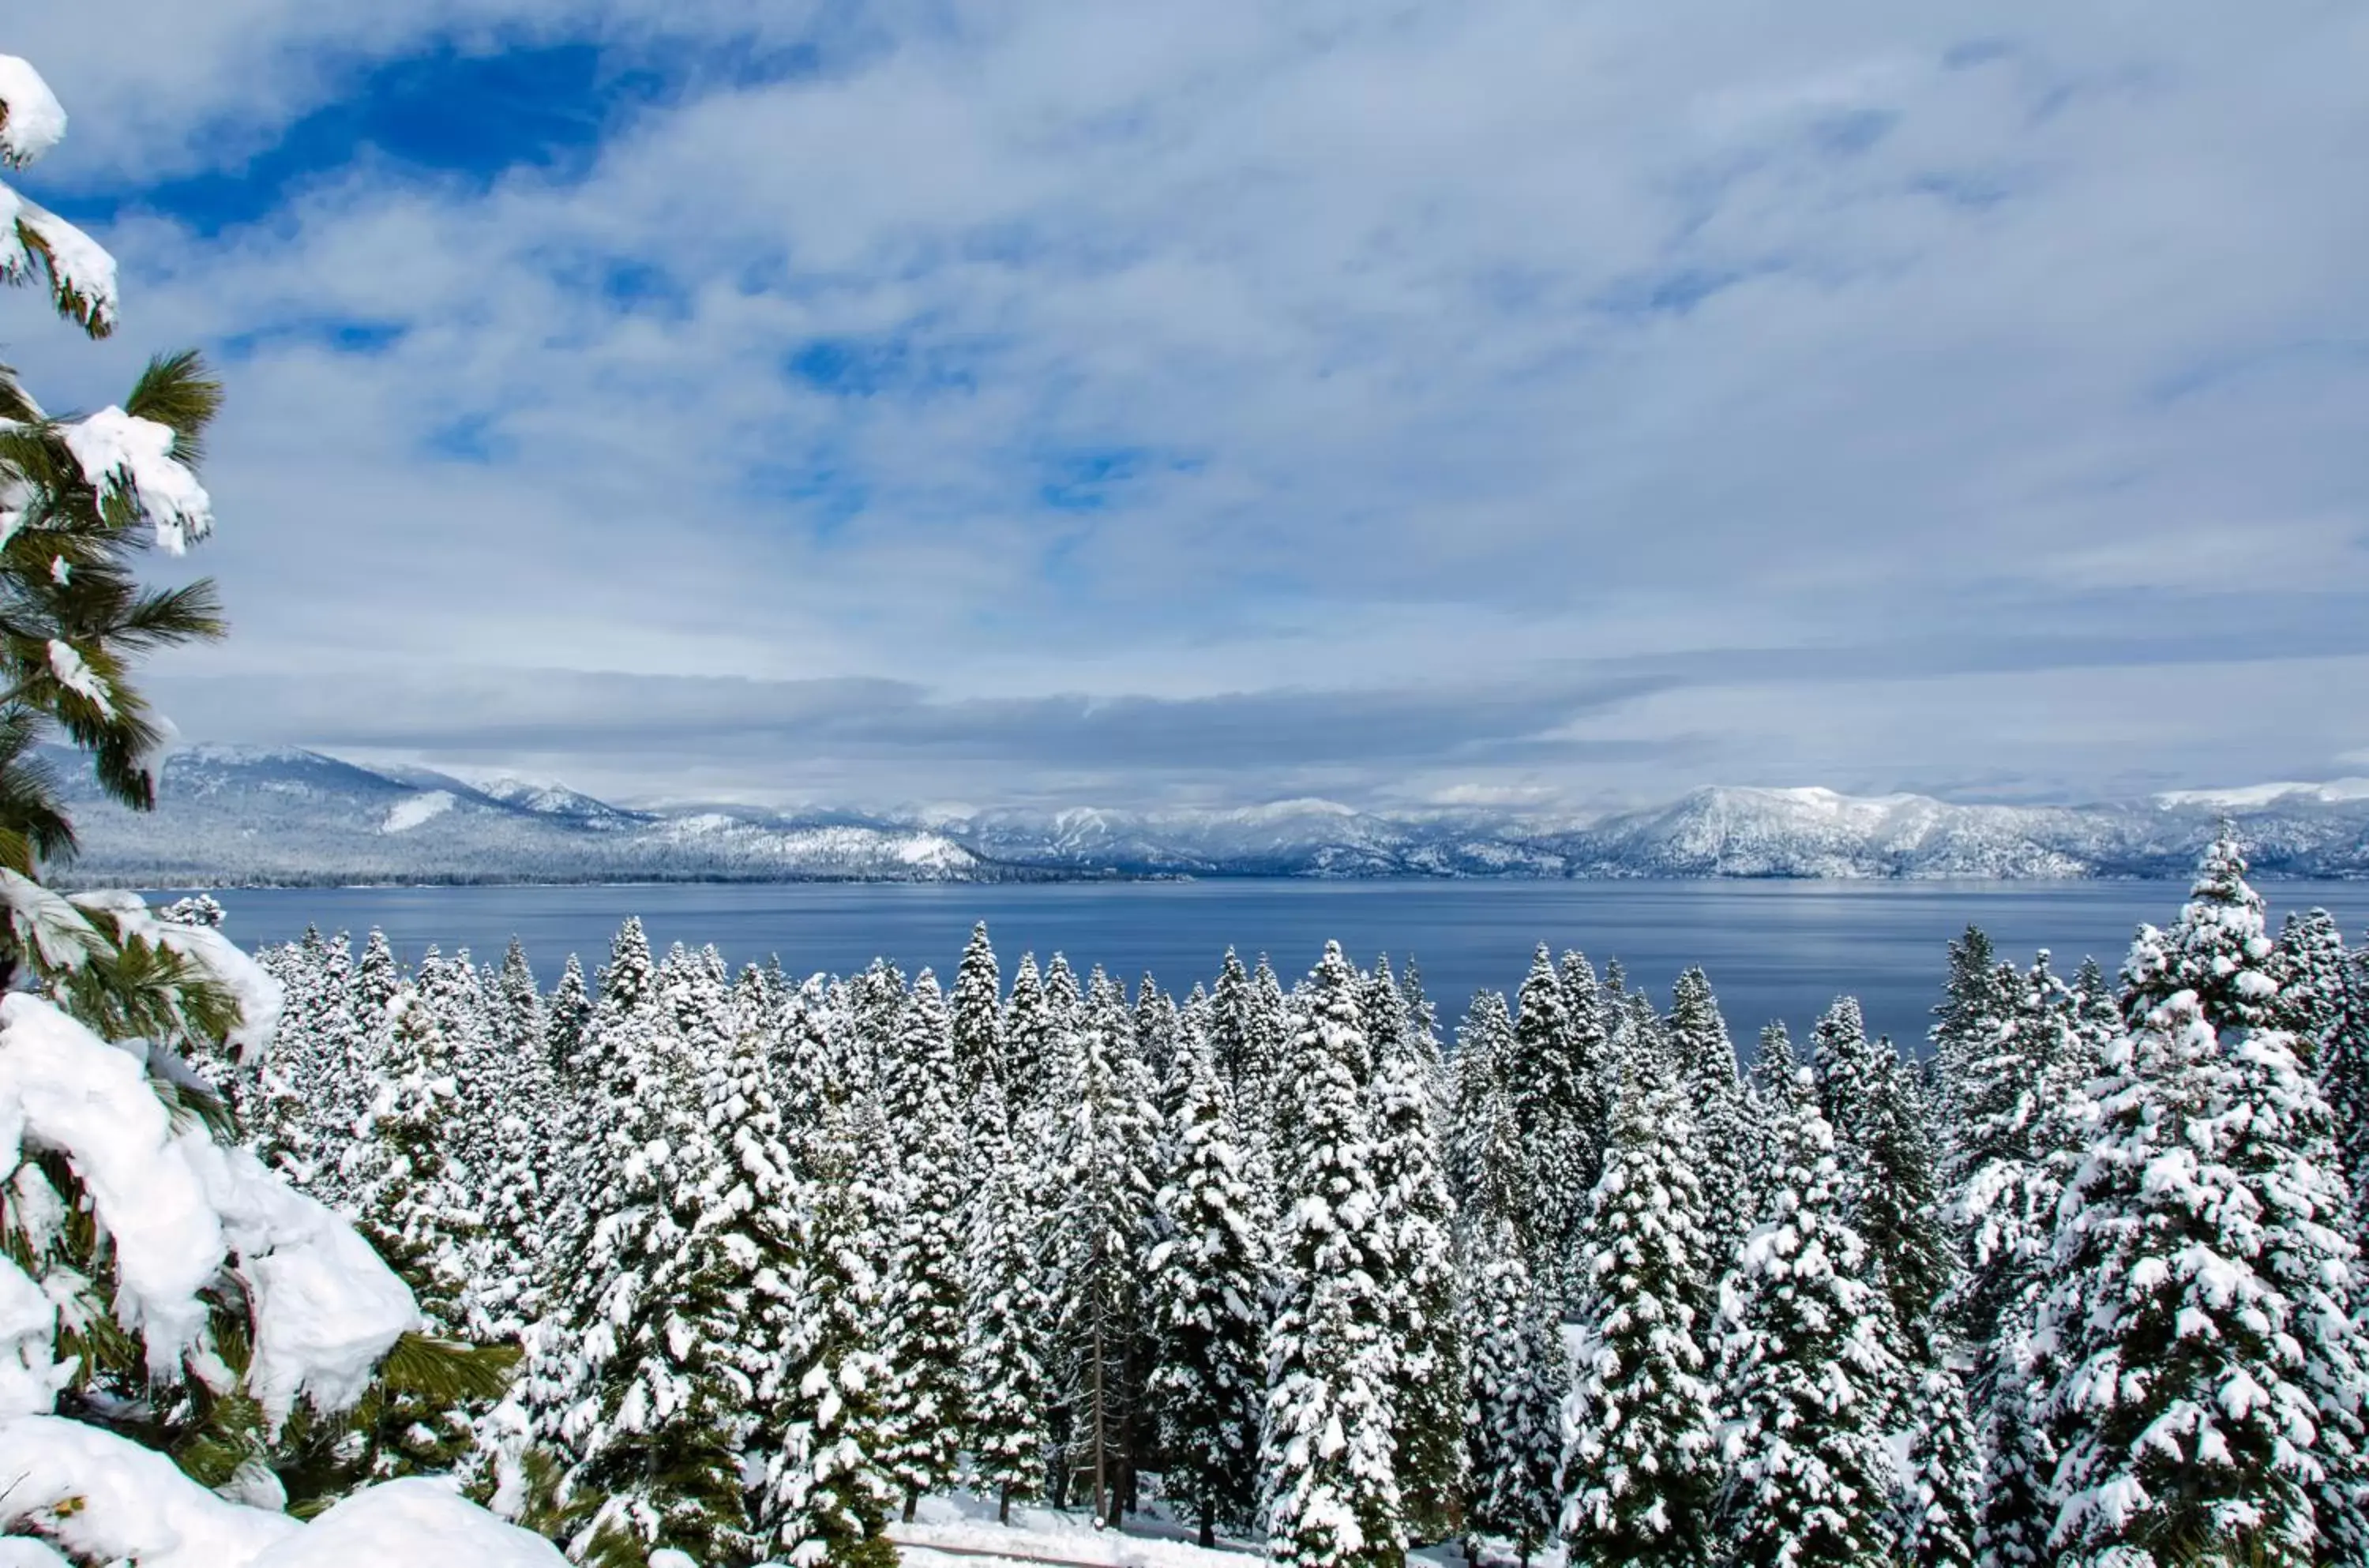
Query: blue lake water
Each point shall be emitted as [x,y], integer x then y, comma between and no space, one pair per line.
[1773,949]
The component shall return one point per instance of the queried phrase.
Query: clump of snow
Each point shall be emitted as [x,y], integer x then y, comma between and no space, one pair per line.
[77,677]
[29,1374]
[326,1306]
[61,1087]
[175,1203]
[411,1524]
[406,814]
[107,1499]
[135,457]
[31,120]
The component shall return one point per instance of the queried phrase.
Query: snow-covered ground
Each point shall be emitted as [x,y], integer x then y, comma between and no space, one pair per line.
[959,1530]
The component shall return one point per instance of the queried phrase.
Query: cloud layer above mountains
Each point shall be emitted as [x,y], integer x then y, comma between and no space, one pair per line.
[1497,400]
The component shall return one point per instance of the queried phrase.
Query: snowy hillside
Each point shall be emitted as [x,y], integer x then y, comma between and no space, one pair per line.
[294,816]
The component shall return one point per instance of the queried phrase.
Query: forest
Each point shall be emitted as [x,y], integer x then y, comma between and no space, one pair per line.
[779,1256]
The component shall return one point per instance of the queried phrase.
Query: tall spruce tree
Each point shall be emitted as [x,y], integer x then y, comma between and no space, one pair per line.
[1553,1073]
[1715,1097]
[978,1019]
[1809,1359]
[1006,1382]
[1105,1140]
[2202,1306]
[828,1493]
[1515,1377]
[1941,1497]
[922,1325]
[1418,1222]
[1325,1452]
[1203,1282]
[1641,1467]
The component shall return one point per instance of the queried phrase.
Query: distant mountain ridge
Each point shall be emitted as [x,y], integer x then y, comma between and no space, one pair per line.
[245,815]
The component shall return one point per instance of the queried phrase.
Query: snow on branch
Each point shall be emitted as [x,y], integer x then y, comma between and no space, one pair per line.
[31,120]
[177,1206]
[82,273]
[260,995]
[134,457]
[77,676]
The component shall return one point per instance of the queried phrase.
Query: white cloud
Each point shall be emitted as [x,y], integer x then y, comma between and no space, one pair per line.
[1445,345]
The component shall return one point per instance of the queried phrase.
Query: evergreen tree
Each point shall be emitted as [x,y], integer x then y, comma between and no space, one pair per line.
[1006,1382]
[1715,1098]
[2219,948]
[1482,1043]
[978,1021]
[1640,1471]
[2211,1366]
[569,1017]
[1418,1223]
[1027,1040]
[1104,1137]
[1553,1073]
[1942,1500]
[922,1328]
[1155,1027]
[1203,1282]
[1975,1005]
[1512,1429]
[1232,1040]
[1809,1350]
[413,1206]
[1325,1454]
[1896,1208]
[828,1493]
[1851,1073]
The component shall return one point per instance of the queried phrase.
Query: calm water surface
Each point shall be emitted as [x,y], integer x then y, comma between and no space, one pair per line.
[1773,949]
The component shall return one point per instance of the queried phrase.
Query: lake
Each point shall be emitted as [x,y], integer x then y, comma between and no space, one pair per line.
[1773,949]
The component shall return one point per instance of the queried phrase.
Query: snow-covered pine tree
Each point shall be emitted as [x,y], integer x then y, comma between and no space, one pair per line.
[1155,1026]
[2324,1003]
[1418,1221]
[617,1093]
[1715,1097]
[1782,1095]
[1851,1072]
[2019,1107]
[525,1098]
[717,1401]
[923,1314]
[1026,1042]
[1976,1003]
[1325,1453]
[1204,1283]
[1231,1002]
[978,1020]
[827,1493]
[1515,1373]
[569,1017]
[1942,1494]
[1808,1358]
[2219,948]
[412,1205]
[1897,1207]
[1554,1074]
[1482,1041]
[651,1424]
[2201,1310]
[1006,1384]
[1640,1464]
[1104,1135]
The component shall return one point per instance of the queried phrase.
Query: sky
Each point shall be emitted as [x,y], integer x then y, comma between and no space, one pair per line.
[1529,403]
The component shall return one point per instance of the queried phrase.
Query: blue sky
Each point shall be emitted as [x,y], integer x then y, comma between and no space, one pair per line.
[1496,402]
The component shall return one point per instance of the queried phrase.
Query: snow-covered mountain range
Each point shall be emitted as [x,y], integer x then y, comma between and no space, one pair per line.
[245,815]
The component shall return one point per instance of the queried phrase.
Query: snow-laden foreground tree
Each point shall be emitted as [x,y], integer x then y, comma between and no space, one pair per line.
[187,1345]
